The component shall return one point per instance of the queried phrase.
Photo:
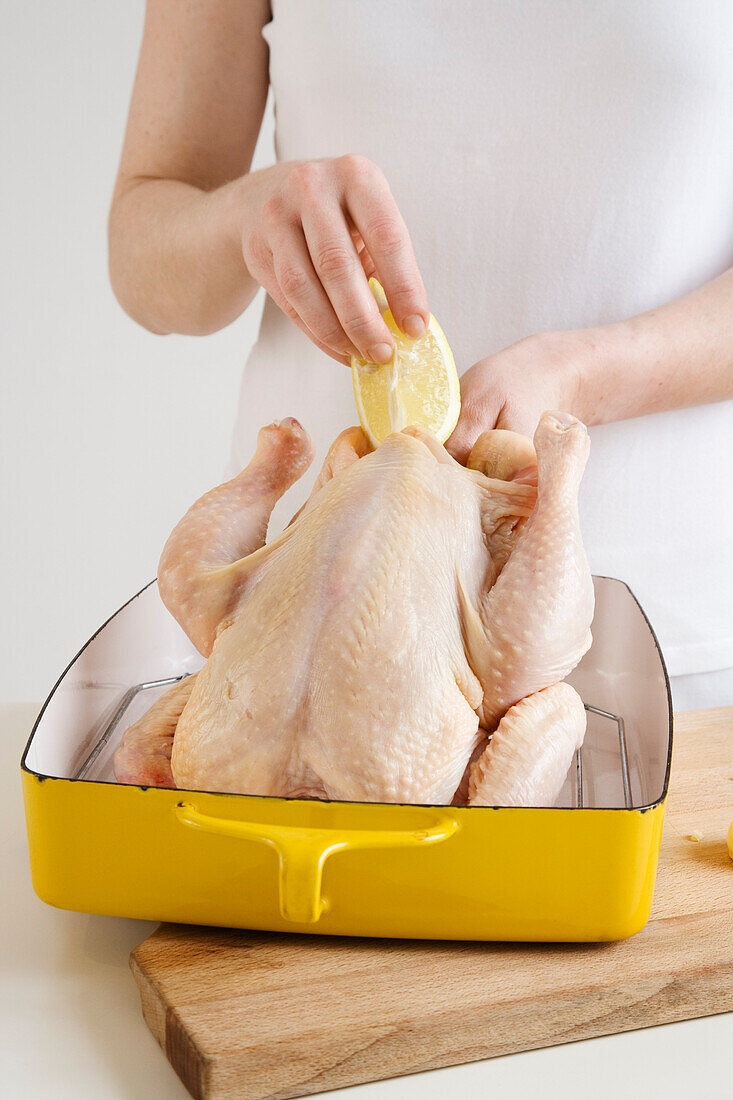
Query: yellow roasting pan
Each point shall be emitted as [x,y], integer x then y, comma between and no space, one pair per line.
[583,870]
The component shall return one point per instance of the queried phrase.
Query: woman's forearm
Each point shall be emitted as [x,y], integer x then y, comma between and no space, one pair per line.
[176,256]
[678,355]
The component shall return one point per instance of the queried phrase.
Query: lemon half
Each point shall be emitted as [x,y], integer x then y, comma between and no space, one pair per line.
[418,386]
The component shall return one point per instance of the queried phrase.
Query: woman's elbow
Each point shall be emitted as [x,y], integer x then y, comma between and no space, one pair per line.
[125,274]
[148,310]
[131,303]
[158,276]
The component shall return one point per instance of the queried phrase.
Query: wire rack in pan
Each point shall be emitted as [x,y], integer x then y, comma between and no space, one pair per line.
[112,724]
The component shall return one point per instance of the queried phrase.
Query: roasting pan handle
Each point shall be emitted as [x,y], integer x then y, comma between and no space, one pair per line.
[302,852]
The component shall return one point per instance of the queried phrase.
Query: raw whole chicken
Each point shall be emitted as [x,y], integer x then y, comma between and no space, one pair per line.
[404,640]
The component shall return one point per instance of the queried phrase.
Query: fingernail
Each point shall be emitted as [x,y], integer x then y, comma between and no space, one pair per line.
[380,353]
[414,325]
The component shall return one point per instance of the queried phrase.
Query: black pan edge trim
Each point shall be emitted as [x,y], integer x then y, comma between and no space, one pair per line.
[419,805]
[23,760]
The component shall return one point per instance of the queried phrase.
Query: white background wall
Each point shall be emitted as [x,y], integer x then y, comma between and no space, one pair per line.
[107,433]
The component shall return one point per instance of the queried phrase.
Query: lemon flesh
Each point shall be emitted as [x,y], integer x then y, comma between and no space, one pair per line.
[418,386]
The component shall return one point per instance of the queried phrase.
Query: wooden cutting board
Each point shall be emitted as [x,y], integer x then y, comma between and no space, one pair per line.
[248,1015]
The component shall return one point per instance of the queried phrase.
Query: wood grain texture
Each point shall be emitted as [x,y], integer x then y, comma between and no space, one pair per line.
[249,1015]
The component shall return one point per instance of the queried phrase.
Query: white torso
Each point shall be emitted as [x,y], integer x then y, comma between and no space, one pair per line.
[558,165]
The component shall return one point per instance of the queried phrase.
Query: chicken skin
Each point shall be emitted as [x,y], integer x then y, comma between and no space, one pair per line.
[413,607]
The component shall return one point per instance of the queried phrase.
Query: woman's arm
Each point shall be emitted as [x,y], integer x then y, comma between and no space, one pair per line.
[193,234]
[200,91]
[678,355]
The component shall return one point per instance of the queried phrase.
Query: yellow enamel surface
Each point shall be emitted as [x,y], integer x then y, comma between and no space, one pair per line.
[342,868]
[302,852]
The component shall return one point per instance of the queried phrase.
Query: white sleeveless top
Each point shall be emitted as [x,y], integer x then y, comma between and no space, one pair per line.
[558,165]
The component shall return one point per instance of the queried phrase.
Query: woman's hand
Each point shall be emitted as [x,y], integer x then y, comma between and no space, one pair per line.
[677,355]
[514,387]
[312,233]
[193,232]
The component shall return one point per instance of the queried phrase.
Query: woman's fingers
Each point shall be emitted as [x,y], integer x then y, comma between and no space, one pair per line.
[481,405]
[325,228]
[281,301]
[520,417]
[300,286]
[374,213]
[471,424]
[260,262]
[512,389]
[264,272]
[367,262]
[339,270]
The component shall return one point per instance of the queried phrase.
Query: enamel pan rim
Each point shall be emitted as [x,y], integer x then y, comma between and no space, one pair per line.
[279,798]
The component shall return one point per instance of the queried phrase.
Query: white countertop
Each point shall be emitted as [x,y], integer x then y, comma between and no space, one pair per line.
[71,1027]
